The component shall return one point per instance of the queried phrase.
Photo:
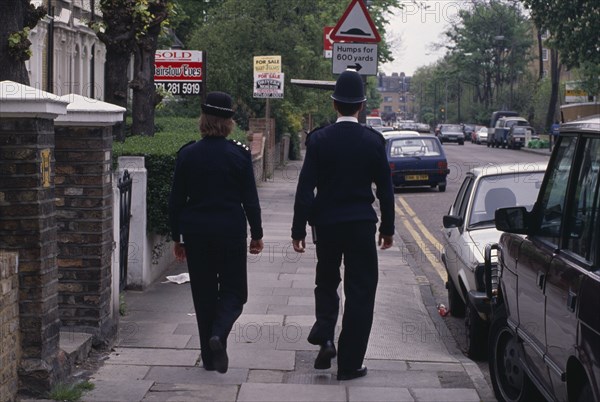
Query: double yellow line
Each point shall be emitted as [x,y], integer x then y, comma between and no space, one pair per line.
[413,225]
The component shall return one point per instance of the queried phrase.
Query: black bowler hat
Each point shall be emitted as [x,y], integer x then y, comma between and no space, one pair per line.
[218,104]
[349,88]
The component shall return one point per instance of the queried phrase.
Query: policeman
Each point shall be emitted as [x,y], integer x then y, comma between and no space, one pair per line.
[212,196]
[342,161]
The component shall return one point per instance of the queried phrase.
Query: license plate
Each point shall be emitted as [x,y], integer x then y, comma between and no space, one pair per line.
[415,177]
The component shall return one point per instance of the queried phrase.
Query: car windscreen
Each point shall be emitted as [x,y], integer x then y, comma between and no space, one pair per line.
[451,128]
[505,190]
[410,147]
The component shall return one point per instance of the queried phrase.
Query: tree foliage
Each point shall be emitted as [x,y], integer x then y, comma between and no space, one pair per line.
[573,26]
[483,69]
[17,17]
[234,31]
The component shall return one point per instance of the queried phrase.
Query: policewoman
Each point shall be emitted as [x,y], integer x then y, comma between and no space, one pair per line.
[213,197]
[342,162]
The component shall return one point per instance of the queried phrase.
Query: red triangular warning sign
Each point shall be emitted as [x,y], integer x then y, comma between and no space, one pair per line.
[356,25]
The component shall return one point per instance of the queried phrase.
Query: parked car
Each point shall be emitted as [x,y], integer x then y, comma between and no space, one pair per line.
[417,161]
[399,133]
[424,128]
[518,136]
[468,131]
[498,114]
[503,125]
[480,135]
[451,132]
[383,129]
[469,227]
[545,330]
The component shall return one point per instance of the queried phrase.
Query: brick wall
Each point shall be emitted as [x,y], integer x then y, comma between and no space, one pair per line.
[28,226]
[10,346]
[85,233]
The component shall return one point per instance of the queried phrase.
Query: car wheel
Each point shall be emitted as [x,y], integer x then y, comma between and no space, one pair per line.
[476,331]
[488,144]
[442,188]
[461,143]
[509,379]
[455,302]
[586,393]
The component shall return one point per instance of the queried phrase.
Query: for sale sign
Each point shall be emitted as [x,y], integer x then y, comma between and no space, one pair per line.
[268,85]
[179,71]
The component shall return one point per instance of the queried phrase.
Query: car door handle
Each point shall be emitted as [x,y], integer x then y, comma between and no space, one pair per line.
[571,301]
[541,278]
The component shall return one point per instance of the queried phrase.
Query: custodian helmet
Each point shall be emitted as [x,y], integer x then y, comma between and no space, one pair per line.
[349,88]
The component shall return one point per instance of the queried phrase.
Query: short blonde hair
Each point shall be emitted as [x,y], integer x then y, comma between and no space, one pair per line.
[215,126]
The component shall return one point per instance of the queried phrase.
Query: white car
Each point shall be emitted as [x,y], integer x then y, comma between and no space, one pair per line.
[469,226]
[480,136]
[399,133]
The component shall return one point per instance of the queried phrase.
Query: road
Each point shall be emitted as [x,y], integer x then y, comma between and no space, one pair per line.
[419,217]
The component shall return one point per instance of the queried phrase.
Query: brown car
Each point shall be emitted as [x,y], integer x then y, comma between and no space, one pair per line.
[544,339]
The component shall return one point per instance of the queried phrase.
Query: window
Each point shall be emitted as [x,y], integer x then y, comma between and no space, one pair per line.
[545,54]
[584,213]
[553,200]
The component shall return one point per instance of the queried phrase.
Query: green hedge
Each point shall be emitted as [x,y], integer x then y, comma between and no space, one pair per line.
[160,152]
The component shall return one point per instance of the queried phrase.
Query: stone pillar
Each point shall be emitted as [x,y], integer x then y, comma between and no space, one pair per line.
[10,339]
[28,224]
[84,197]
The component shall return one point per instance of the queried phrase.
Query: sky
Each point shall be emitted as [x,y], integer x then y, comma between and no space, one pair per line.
[413,30]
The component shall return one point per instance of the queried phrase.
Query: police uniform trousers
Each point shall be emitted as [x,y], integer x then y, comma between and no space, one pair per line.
[218,279]
[354,243]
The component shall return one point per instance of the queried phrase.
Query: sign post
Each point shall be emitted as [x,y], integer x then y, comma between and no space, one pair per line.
[268,83]
[356,27]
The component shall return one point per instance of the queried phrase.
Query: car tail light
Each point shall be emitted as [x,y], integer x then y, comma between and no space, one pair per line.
[392,166]
[443,166]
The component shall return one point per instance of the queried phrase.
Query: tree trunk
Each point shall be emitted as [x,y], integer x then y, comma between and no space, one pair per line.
[116,85]
[119,39]
[144,93]
[13,16]
[555,68]
[145,98]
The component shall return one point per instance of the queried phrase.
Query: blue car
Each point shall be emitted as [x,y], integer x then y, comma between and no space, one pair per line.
[417,161]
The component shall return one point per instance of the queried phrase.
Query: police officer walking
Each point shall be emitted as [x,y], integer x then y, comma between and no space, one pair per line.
[342,162]
[212,196]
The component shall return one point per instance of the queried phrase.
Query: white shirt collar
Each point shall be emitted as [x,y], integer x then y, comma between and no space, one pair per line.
[347,118]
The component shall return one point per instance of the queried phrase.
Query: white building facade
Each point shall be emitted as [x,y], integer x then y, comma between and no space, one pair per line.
[75,54]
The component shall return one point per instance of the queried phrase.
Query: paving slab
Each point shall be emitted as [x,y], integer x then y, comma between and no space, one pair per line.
[257,392]
[445,395]
[118,391]
[378,394]
[192,393]
[195,375]
[124,372]
[266,376]
[152,357]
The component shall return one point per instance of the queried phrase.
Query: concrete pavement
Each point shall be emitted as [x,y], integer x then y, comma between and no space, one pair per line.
[411,354]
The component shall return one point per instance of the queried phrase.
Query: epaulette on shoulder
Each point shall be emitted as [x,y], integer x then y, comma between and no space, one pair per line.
[314,130]
[239,144]
[185,145]
[378,133]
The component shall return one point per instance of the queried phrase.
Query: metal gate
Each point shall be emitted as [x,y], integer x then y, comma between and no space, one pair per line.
[124,185]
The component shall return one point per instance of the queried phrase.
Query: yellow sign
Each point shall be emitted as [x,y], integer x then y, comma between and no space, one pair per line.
[45,167]
[267,64]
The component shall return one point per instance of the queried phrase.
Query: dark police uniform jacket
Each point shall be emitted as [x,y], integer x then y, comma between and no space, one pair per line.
[214,191]
[342,161]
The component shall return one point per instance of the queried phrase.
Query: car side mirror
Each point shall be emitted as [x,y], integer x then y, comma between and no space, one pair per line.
[512,220]
[452,221]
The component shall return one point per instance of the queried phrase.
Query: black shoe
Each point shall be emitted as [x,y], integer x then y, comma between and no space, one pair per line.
[208,367]
[352,374]
[327,352]
[220,359]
